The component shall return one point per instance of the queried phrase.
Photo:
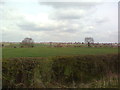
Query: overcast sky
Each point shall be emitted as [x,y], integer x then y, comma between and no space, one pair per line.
[61,21]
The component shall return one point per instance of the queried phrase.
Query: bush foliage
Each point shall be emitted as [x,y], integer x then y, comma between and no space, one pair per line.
[62,71]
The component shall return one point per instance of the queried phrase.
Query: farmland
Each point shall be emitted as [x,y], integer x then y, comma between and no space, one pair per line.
[53,51]
[45,66]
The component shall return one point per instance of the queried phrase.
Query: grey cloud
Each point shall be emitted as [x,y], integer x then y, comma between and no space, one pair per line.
[70,30]
[66,17]
[70,10]
[2,2]
[63,9]
[70,4]
[89,32]
[103,20]
[69,14]
[34,27]
[62,20]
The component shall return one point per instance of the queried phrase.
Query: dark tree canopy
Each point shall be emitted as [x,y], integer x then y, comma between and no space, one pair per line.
[89,40]
[27,42]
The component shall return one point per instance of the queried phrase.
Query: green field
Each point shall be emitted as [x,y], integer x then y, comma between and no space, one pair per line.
[77,67]
[52,51]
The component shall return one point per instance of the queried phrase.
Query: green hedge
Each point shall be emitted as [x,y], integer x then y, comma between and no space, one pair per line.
[62,71]
[19,72]
[82,69]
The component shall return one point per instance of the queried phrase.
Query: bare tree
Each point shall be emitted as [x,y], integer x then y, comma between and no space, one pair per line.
[89,41]
[27,42]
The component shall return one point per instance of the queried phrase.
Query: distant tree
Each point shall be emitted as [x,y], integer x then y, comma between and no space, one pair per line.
[2,45]
[27,42]
[88,44]
[15,47]
[89,40]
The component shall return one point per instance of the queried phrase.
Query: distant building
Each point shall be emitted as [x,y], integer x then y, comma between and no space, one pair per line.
[89,40]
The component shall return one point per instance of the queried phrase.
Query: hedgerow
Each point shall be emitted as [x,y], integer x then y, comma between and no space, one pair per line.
[60,71]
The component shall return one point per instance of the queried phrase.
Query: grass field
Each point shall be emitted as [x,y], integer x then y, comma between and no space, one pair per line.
[77,67]
[52,51]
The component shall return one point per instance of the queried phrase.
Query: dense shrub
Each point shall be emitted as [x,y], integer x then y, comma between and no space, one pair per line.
[19,72]
[83,68]
[65,70]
